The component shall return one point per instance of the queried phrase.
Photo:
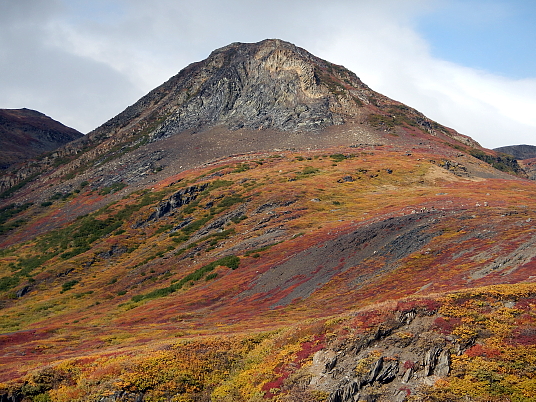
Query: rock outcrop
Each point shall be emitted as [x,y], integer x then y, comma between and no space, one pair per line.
[389,365]
[271,84]
[182,197]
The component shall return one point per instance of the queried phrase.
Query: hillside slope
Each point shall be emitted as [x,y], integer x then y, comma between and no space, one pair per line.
[365,255]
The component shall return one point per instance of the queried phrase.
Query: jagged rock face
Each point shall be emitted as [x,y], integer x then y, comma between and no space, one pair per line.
[177,200]
[271,84]
[26,133]
[389,365]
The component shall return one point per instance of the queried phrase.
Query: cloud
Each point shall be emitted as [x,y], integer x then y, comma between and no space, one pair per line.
[492,109]
[388,54]
[34,73]
[84,61]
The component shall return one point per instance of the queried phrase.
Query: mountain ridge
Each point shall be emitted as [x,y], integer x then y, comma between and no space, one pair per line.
[519,151]
[25,133]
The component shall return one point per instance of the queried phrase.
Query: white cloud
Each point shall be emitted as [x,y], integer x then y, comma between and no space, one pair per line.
[389,56]
[87,60]
[34,73]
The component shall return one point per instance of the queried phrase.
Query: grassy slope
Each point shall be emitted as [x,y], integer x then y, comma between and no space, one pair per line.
[104,288]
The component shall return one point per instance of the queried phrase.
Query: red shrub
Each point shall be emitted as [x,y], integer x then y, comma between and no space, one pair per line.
[527,304]
[406,390]
[475,351]
[445,325]
[307,349]
[408,364]
[524,336]
[484,351]
[428,305]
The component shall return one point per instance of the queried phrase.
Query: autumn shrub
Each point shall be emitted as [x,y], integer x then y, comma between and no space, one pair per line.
[426,306]
[446,325]
[499,361]
[230,261]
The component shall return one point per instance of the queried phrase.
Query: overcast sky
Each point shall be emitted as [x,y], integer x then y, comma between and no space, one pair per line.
[468,64]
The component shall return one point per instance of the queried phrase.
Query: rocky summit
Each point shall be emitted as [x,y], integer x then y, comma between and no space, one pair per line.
[264,226]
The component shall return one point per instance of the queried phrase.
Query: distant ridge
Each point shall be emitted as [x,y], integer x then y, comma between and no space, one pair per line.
[519,151]
[26,133]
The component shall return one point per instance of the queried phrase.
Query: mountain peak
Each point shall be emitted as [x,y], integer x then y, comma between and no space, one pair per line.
[268,85]
[263,226]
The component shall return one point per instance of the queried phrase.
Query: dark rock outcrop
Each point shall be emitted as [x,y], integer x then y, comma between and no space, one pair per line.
[123,396]
[10,398]
[182,197]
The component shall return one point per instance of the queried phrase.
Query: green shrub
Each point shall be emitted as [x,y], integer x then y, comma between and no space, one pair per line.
[309,170]
[241,168]
[238,219]
[196,225]
[503,162]
[230,200]
[219,184]
[9,212]
[8,282]
[211,276]
[68,285]
[337,157]
[115,187]
[230,261]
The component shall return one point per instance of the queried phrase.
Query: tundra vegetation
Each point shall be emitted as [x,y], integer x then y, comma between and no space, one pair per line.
[119,302]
